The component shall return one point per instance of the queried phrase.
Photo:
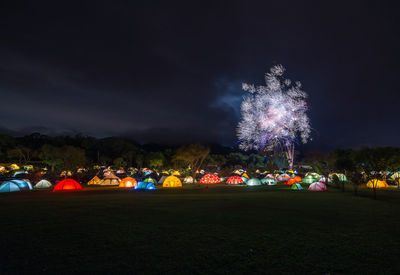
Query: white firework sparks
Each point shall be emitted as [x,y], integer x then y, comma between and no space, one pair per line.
[274,115]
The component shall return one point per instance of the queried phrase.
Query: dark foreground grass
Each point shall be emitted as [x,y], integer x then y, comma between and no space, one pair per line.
[215,230]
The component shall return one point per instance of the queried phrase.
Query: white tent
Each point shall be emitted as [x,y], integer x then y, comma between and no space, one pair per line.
[43,184]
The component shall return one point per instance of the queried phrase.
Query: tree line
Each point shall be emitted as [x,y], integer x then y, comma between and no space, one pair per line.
[68,153]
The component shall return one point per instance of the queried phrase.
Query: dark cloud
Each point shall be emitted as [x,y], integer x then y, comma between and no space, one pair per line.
[172,71]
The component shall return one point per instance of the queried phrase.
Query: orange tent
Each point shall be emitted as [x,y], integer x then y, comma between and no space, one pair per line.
[290,181]
[127,182]
[377,183]
[297,179]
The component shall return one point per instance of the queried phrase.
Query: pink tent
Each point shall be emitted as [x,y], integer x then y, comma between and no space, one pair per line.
[317,186]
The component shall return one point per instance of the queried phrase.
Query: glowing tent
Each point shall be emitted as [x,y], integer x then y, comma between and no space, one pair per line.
[325,180]
[43,184]
[340,177]
[309,179]
[172,181]
[15,186]
[296,186]
[210,179]
[153,181]
[297,179]
[244,179]
[161,181]
[65,174]
[253,182]
[395,176]
[110,179]
[314,175]
[94,181]
[239,172]
[127,182]
[282,177]
[317,186]
[269,181]
[234,180]
[67,185]
[290,182]
[14,167]
[375,183]
[144,185]
[188,179]
[176,173]
[245,175]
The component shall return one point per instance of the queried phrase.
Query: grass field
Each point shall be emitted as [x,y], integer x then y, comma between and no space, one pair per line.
[222,229]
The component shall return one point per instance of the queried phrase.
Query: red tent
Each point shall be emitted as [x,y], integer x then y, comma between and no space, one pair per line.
[210,179]
[234,180]
[290,182]
[67,185]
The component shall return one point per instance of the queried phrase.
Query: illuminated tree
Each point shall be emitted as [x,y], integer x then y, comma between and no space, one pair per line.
[274,116]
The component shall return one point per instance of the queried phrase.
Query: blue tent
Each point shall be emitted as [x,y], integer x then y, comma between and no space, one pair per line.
[15,186]
[144,185]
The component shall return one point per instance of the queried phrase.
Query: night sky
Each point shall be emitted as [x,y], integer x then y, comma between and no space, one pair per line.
[171,72]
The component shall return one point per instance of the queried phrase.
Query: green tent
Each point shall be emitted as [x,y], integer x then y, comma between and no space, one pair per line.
[253,182]
[268,181]
[341,177]
[296,186]
[309,179]
[245,179]
[153,181]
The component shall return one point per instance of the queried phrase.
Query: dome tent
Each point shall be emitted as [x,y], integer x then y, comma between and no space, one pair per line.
[15,186]
[127,182]
[253,182]
[375,183]
[244,179]
[339,176]
[297,179]
[67,185]
[153,181]
[283,177]
[94,181]
[172,181]
[325,180]
[290,182]
[110,179]
[269,181]
[161,181]
[144,185]
[235,180]
[43,184]
[309,179]
[188,179]
[317,186]
[210,179]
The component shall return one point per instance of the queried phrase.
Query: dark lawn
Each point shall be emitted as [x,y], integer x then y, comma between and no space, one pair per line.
[197,230]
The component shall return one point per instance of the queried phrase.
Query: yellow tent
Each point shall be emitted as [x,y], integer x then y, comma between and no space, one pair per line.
[95,181]
[377,183]
[176,173]
[66,173]
[172,181]
[14,167]
[245,175]
[110,179]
